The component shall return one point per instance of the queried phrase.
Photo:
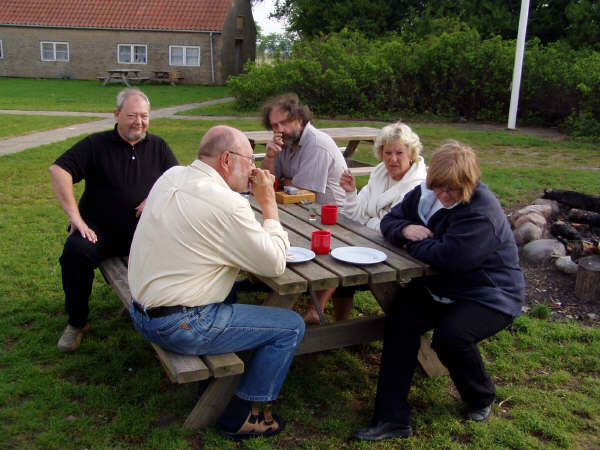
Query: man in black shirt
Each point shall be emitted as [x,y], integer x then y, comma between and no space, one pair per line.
[119,167]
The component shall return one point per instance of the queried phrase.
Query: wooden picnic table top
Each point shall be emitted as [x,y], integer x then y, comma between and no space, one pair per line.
[338,134]
[123,71]
[325,271]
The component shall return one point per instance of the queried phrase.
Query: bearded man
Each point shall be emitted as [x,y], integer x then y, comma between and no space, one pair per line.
[300,155]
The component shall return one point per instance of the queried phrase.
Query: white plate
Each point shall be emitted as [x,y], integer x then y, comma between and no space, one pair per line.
[299,254]
[358,255]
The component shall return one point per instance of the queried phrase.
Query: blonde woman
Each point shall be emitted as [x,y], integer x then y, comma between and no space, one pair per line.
[401,169]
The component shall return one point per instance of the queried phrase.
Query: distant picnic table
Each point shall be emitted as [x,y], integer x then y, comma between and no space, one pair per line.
[124,76]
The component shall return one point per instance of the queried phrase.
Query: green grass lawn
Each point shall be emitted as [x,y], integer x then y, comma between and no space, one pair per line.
[19,124]
[112,392]
[82,95]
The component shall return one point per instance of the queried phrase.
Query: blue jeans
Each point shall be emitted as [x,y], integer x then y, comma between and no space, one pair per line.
[273,334]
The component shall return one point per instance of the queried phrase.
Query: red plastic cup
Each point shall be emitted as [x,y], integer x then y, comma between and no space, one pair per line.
[275,185]
[329,214]
[321,241]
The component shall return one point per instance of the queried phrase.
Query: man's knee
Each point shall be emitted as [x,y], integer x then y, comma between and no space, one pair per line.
[297,325]
[79,250]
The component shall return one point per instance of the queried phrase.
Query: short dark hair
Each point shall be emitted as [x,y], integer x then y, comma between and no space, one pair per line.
[286,102]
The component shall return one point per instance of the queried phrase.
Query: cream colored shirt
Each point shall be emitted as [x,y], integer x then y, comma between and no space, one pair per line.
[194,236]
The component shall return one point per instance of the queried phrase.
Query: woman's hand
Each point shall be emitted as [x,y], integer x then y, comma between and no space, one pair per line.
[347,181]
[416,232]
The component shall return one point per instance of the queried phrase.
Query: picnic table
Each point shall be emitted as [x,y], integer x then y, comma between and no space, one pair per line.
[124,76]
[385,280]
[350,135]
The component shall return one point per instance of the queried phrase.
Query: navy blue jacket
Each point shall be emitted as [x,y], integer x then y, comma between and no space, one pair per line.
[473,250]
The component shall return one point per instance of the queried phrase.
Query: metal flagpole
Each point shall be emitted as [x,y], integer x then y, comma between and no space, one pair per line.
[518,66]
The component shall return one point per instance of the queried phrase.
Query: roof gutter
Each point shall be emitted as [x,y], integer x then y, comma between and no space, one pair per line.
[70,27]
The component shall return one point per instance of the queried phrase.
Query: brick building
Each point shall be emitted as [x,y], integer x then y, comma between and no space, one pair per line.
[205,40]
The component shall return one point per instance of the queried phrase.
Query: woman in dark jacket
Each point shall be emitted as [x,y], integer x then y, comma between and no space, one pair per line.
[455,224]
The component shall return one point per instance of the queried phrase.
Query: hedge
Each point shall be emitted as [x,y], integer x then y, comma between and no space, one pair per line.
[456,74]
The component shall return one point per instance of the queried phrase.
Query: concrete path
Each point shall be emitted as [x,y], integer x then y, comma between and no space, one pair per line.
[20,143]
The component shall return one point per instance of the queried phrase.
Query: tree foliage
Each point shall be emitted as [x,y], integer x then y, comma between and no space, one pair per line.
[274,44]
[574,21]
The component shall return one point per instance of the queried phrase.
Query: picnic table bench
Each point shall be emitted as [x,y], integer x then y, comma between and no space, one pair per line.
[167,76]
[350,135]
[224,370]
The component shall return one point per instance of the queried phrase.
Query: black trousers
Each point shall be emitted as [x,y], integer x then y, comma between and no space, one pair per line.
[458,327]
[79,259]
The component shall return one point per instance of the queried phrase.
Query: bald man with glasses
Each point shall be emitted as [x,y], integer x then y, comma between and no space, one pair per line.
[194,236]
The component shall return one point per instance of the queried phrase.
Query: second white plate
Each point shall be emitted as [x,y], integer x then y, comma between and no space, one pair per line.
[299,254]
[358,255]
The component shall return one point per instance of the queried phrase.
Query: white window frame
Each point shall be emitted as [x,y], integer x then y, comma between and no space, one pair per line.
[132,53]
[185,50]
[1,50]
[54,44]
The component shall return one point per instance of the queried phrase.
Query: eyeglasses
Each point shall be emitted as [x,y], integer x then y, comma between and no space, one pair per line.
[251,158]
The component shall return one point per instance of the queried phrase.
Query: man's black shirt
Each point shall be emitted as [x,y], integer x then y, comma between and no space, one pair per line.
[118,177]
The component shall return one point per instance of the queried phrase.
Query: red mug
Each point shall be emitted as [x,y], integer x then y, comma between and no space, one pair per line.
[329,214]
[321,241]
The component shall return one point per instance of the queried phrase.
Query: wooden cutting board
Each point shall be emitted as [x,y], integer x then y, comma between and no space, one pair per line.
[303,194]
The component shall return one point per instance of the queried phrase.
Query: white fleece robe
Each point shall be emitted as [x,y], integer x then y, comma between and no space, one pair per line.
[373,202]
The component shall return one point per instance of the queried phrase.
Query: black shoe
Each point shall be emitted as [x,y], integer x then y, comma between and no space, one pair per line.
[480,414]
[384,430]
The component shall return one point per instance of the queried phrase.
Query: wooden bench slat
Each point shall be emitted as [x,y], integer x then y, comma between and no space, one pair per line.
[224,365]
[182,368]
[342,334]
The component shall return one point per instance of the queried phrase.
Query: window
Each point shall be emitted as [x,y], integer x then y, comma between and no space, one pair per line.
[240,23]
[54,51]
[132,54]
[180,55]
[1,50]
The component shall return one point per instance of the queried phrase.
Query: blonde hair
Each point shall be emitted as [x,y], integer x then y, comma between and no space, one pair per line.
[454,166]
[395,132]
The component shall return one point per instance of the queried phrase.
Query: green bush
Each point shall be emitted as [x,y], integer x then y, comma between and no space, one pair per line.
[455,74]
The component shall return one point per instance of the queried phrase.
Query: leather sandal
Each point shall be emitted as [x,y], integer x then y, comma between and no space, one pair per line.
[258,423]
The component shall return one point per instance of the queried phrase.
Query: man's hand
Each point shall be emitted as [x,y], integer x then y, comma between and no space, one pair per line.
[262,188]
[85,231]
[347,181]
[275,146]
[62,185]
[416,232]
[139,208]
